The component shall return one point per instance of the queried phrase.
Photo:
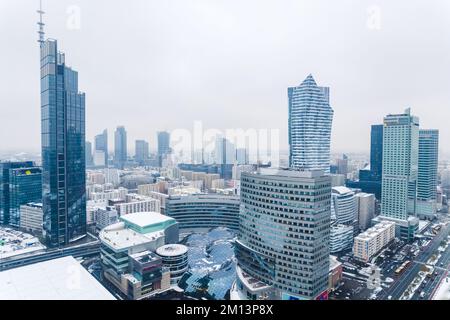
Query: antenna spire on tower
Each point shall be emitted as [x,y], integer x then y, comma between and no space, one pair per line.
[41,24]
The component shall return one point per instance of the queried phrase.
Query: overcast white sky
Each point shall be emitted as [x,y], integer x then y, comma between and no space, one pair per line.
[153,65]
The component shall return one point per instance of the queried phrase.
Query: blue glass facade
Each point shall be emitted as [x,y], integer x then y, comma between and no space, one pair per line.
[120,147]
[376,151]
[20,183]
[370,180]
[63,149]
[163,145]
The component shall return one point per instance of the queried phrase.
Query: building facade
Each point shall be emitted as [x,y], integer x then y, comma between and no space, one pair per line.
[427,175]
[31,218]
[310,120]
[20,183]
[163,146]
[373,240]
[283,244]
[101,145]
[366,209]
[120,147]
[63,149]
[400,165]
[344,214]
[128,255]
[200,212]
[141,152]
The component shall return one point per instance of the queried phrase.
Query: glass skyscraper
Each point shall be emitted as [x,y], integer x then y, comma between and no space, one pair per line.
[63,149]
[427,177]
[89,158]
[120,147]
[370,179]
[20,183]
[141,152]
[163,145]
[376,151]
[101,144]
[310,120]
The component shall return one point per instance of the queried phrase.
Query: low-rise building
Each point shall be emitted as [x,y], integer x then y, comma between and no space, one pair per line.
[335,274]
[105,217]
[373,240]
[175,258]
[31,218]
[137,203]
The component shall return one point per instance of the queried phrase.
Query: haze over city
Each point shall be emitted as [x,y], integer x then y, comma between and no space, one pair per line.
[161,65]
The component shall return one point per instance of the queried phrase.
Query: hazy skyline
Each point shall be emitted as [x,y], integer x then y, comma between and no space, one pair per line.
[161,65]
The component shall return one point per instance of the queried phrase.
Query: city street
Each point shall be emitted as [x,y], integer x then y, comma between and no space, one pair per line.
[401,283]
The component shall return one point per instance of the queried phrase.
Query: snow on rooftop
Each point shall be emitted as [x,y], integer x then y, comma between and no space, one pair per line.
[118,237]
[15,243]
[342,190]
[172,250]
[143,219]
[58,279]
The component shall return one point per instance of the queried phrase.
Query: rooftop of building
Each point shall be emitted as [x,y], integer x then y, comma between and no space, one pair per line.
[364,195]
[289,172]
[145,257]
[172,250]
[145,219]
[33,205]
[135,229]
[57,279]
[375,230]
[118,237]
[342,190]
[334,263]
[15,243]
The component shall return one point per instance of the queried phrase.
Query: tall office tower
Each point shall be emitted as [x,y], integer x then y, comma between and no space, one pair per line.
[241,156]
[310,119]
[283,244]
[101,144]
[445,182]
[20,183]
[366,209]
[63,147]
[427,177]
[163,146]
[342,165]
[120,147]
[141,151]
[400,168]
[376,151]
[225,151]
[89,156]
[370,177]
